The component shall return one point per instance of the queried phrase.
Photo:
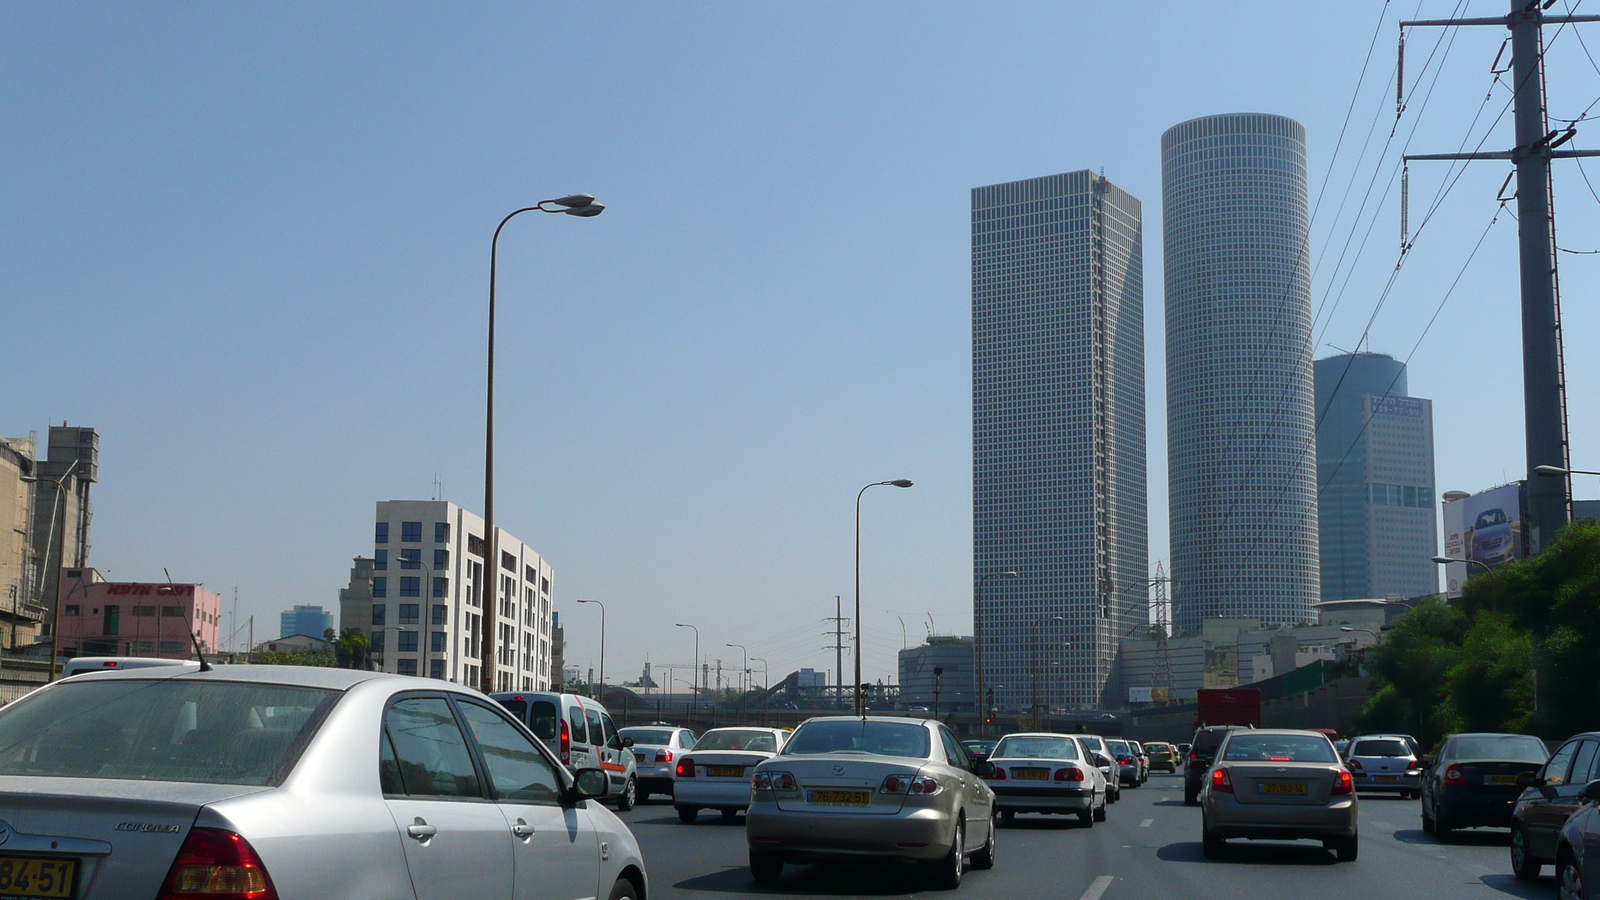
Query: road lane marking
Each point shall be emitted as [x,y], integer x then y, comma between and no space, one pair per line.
[1146,823]
[1097,890]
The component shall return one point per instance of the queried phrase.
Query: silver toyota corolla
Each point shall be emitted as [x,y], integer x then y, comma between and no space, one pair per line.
[283,782]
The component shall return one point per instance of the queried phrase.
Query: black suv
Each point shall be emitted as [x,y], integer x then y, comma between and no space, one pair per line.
[1202,750]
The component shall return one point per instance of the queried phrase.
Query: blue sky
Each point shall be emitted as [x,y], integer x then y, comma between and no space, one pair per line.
[249,243]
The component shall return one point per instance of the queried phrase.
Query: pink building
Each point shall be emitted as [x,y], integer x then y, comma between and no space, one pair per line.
[116,618]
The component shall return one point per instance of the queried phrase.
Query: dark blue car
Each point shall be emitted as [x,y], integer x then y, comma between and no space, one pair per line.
[1472,780]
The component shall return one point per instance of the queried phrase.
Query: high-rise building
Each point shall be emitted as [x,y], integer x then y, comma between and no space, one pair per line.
[423,599]
[309,620]
[1058,432]
[21,609]
[61,508]
[1376,512]
[1240,427]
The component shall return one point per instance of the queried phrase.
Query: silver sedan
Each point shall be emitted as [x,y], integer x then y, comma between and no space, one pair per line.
[1278,785]
[1046,773]
[293,783]
[871,787]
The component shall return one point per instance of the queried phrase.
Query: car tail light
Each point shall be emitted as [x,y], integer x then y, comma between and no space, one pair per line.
[566,743]
[783,781]
[1069,774]
[686,767]
[1345,784]
[909,784]
[760,781]
[215,864]
[1355,764]
[663,756]
[1220,781]
[998,774]
[1193,756]
[1454,775]
[1125,760]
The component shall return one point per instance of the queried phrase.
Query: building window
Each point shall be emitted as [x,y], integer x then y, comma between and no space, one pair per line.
[70,610]
[544,585]
[380,560]
[382,535]
[436,669]
[380,587]
[410,559]
[410,586]
[436,642]
[475,545]
[380,614]
[376,644]
[175,647]
[405,666]
[441,560]
[172,612]
[508,561]
[408,614]
[529,575]
[110,620]
[441,614]
[441,532]
[441,587]
[144,612]
[408,642]
[410,532]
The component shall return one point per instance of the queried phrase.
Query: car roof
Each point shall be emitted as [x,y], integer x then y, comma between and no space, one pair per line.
[1282,732]
[299,676]
[903,720]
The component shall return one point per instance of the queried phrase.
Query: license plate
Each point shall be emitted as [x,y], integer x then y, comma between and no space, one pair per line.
[1033,774]
[839,798]
[725,771]
[1500,779]
[1279,787]
[31,877]
[639,757]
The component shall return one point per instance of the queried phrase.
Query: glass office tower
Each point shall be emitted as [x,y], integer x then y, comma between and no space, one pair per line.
[1240,428]
[1058,431]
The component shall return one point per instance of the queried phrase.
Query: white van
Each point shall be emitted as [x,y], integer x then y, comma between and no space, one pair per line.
[82,665]
[579,730]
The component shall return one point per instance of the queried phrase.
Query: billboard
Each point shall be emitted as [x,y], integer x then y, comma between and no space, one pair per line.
[1487,527]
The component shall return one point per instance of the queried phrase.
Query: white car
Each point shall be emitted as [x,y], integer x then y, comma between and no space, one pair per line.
[1046,773]
[716,774]
[656,749]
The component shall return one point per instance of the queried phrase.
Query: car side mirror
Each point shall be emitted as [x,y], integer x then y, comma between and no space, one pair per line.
[590,784]
[1426,762]
[1529,779]
[627,742]
[1592,791]
[983,768]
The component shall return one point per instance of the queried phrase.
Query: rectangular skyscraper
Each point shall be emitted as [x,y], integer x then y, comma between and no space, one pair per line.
[1375,470]
[1058,431]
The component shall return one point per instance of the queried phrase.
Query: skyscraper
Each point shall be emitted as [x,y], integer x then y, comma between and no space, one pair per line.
[1058,436]
[1375,470]
[1240,429]
[312,620]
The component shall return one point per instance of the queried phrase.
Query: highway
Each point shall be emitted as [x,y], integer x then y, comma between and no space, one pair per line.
[1148,848]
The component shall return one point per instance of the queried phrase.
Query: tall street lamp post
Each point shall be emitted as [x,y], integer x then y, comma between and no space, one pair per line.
[1035,664]
[746,669]
[694,699]
[583,206]
[602,697]
[977,642]
[1446,560]
[861,700]
[1559,472]
[766,692]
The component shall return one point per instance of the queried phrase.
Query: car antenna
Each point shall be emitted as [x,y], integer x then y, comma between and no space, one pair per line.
[194,637]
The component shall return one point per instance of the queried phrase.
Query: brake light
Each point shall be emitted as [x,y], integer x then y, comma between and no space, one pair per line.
[1069,774]
[663,756]
[215,864]
[1125,760]
[1454,775]
[1220,781]
[1193,756]
[686,767]
[998,774]
[1355,764]
[1345,784]
[1280,759]
[909,784]
[784,781]
[566,743]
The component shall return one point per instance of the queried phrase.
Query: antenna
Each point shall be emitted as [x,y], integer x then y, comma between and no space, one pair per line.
[194,638]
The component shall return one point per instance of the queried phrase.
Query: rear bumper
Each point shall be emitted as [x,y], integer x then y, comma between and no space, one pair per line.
[1042,799]
[1370,784]
[799,836]
[1227,817]
[1466,810]
[721,795]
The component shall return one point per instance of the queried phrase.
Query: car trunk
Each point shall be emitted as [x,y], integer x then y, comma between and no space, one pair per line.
[838,783]
[1282,784]
[1490,779]
[123,835]
[725,765]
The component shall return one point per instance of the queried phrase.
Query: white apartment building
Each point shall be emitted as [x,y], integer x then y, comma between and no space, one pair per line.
[426,613]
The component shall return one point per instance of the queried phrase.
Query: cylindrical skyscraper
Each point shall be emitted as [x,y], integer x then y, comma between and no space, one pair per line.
[1241,437]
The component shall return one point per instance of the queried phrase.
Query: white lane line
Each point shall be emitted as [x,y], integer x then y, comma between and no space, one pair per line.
[1146,823]
[1098,888]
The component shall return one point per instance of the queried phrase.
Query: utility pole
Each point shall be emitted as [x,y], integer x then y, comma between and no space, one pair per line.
[1544,395]
[1163,672]
[838,633]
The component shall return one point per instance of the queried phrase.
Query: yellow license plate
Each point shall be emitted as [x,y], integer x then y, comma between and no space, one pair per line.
[840,798]
[1031,774]
[725,771]
[1282,788]
[30,877]
[1500,779]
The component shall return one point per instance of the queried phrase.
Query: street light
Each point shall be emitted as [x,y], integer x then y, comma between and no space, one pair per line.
[1445,560]
[861,709]
[1035,664]
[694,699]
[602,606]
[582,205]
[977,639]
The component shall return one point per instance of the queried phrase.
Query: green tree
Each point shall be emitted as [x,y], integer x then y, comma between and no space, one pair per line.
[352,649]
[294,657]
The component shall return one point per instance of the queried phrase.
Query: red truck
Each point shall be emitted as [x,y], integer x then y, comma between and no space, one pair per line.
[1230,706]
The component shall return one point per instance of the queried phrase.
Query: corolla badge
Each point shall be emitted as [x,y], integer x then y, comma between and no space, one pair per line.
[148,827]
[838,770]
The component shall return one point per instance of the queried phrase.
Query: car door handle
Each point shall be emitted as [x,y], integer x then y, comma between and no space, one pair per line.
[421,830]
[522,830]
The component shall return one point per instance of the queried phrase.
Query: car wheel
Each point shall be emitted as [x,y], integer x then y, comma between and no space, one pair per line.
[1100,813]
[984,859]
[624,890]
[946,873]
[628,797]
[1087,817]
[729,815]
[686,814]
[1523,865]
[765,868]
[1345,848]
[1008,816]
[1443,828]
[1212,845]
[1569,878]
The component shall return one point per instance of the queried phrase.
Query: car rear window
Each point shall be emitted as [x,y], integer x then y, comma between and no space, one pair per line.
[1207,741]
[542,719]
[1037,748]
[881,738]
[1381,748]
[1246,747]
[1511,748]
[580,732]
[733,739]
[208,732]
[647,736]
